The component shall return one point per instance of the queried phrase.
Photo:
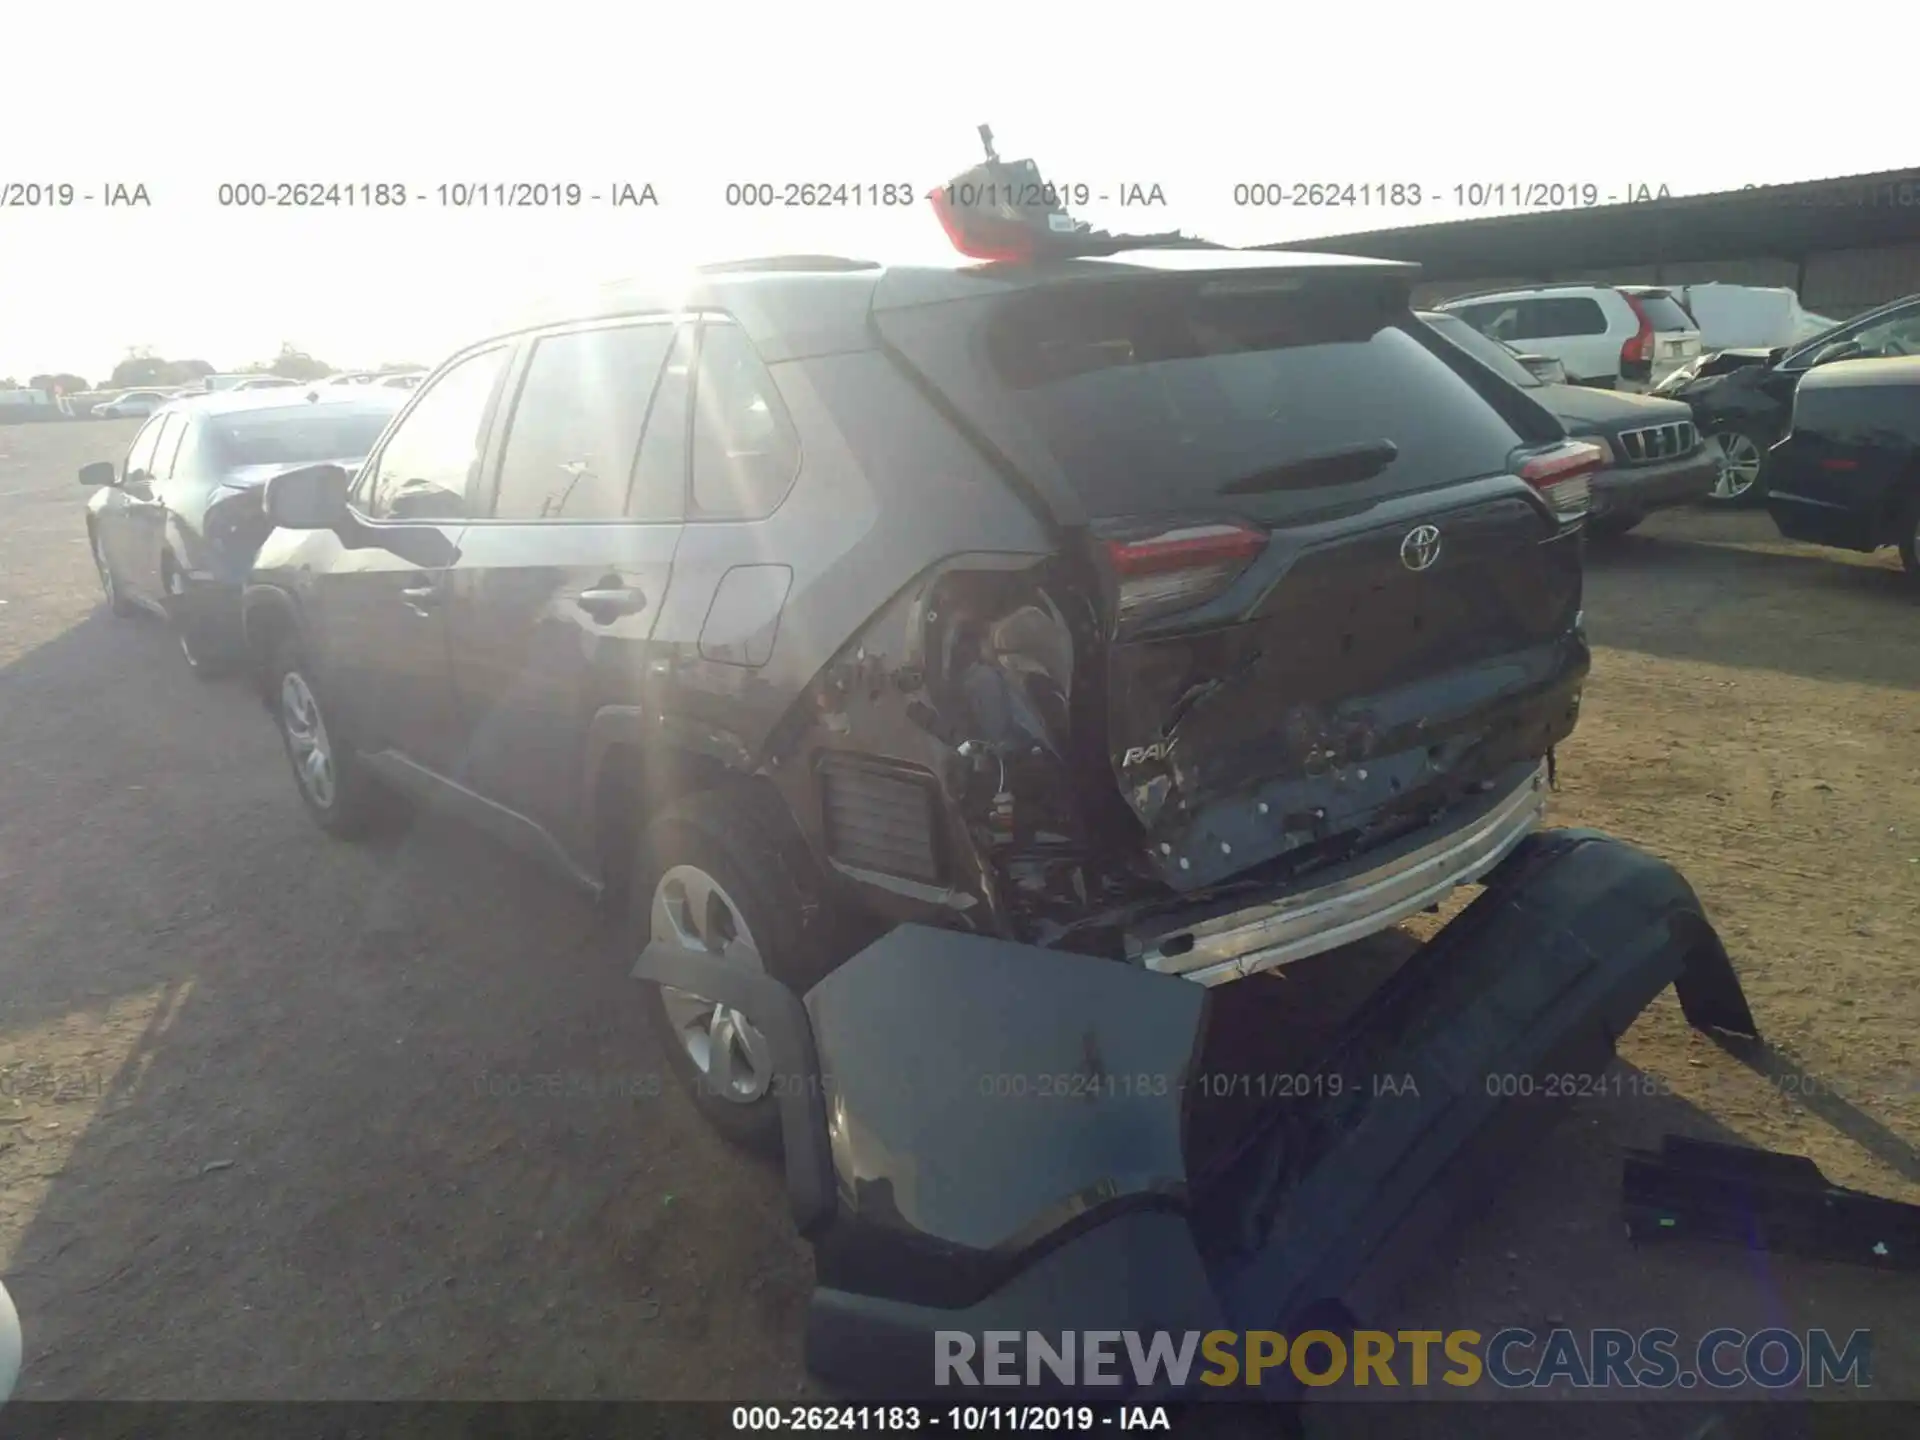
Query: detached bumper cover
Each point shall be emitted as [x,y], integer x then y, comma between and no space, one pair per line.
[985,1136]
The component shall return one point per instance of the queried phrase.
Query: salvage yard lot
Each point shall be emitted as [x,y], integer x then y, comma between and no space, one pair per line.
[279,1118]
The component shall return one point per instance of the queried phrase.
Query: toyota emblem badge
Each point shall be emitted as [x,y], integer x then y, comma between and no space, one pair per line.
[1421,547]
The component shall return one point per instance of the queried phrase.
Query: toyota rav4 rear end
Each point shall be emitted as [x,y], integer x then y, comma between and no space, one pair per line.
[1311,632]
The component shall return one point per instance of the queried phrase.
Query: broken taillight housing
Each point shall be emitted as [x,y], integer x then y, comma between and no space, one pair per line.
[1162,571]
[1564,476]
[1005,211]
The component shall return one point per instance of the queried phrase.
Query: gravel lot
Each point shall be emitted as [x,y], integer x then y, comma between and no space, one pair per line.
[277,1117]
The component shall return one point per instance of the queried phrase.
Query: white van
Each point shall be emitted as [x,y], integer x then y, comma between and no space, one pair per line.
[1625,337]
[1749,317]
[26,406]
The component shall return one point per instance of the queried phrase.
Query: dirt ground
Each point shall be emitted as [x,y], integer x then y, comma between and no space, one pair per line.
[281,1118]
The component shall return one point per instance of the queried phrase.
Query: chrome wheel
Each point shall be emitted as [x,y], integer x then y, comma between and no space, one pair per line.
[1739,466]
[307,740]
[692,910]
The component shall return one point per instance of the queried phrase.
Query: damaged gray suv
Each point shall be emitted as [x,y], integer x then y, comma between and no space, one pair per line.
[1196,609]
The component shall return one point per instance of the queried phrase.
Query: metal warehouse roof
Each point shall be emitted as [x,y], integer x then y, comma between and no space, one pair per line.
[1787,221]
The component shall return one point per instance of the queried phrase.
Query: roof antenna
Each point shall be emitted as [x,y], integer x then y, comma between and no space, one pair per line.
[986,141]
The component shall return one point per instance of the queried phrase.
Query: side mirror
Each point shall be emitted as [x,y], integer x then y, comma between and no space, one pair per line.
[100,472]
[313,497]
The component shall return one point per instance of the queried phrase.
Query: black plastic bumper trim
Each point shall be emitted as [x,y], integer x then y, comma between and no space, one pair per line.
[779,1015]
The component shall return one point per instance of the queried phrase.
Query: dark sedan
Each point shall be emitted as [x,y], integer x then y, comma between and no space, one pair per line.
[1848,473]
[1658,458]
[175,526]
[1745,397]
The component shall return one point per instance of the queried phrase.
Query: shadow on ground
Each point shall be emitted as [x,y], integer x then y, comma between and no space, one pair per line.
[1753,601]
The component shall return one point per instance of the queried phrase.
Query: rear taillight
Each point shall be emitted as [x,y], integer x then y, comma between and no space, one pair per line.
[982,236]
[1564,476]
[1173,569]
[1639,349]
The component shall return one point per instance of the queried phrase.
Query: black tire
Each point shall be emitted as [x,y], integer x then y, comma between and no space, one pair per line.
[109,587]
[1740,440]
[353,805]
[207,657]
[766,888]
[1910,542]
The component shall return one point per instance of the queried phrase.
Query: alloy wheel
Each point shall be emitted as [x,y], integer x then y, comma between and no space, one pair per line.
[693,910]
[307,741]
[1740,467]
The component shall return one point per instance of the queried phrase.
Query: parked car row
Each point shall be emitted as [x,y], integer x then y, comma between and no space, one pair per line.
[1644,338]
[1626,337]
[1745,396]
[139,402]
[393,379]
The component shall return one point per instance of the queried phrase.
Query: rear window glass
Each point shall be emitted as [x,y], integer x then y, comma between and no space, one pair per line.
[1159,397]
[292,436]
[1665,313]
[1498,358]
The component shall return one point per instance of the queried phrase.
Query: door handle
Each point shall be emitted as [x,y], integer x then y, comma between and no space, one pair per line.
[422,597]
[611,604]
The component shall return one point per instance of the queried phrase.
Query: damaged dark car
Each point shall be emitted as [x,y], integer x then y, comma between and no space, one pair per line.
[1848,473]
[1744,397]
[956,674]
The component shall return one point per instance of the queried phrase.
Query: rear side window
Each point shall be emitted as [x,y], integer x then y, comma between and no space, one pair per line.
[660,476]
[1482,315]
[167,452]
[575,430]
[1558,315]
[1664,312]
[140,457]
[1158,397]
[745,450]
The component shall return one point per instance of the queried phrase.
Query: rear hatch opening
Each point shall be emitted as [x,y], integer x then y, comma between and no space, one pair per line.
[1338,562]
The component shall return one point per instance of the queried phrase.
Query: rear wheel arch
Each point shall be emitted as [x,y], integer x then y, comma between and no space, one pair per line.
[635,771]
[268,619]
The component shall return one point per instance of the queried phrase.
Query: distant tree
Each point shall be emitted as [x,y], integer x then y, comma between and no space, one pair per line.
[191,370]
[65,383]
[9,384]
[139,368]
[296,364]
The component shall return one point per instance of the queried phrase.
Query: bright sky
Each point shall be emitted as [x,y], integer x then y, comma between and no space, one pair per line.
[1194,97]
